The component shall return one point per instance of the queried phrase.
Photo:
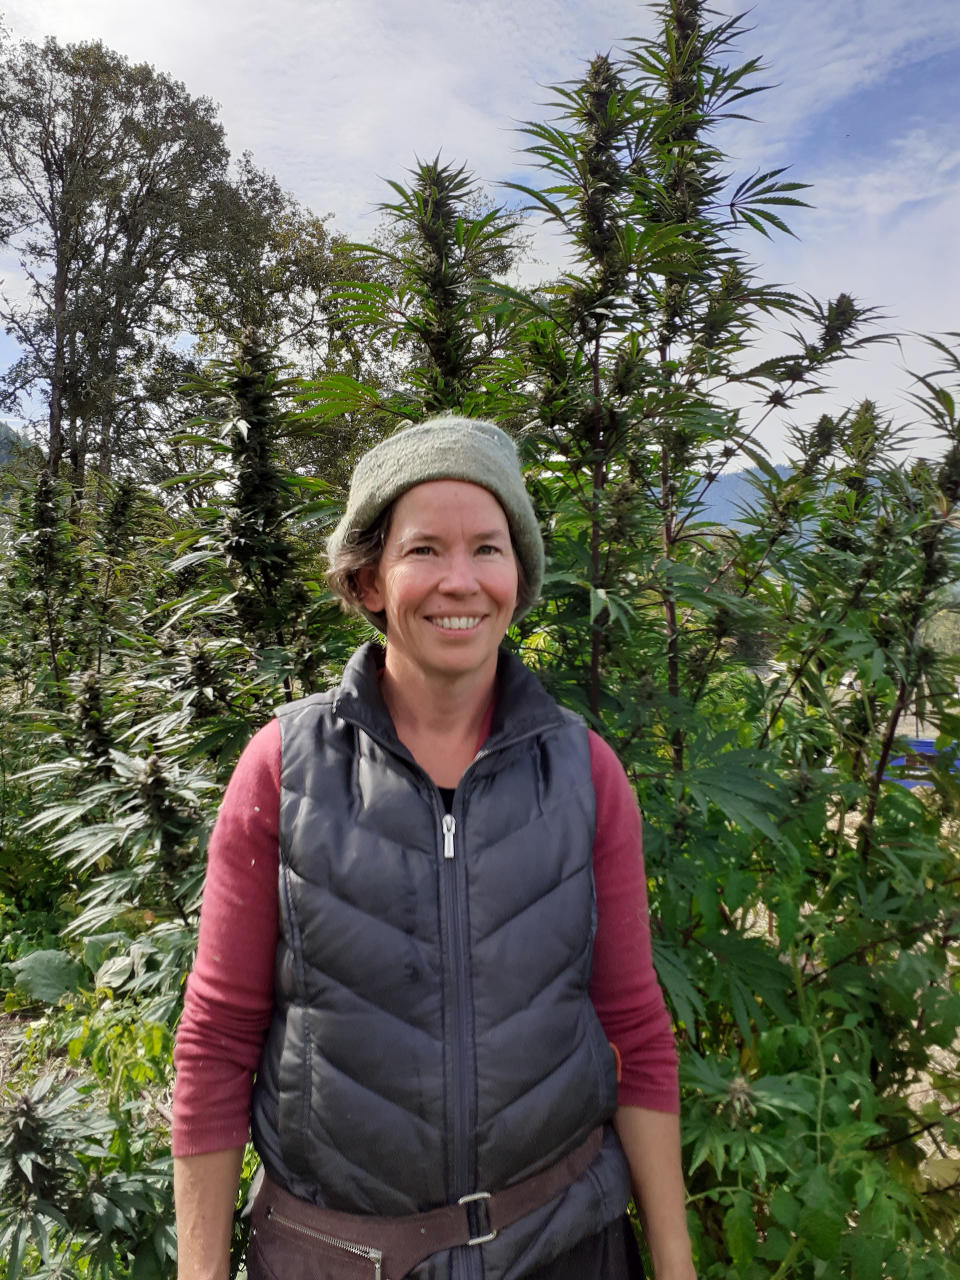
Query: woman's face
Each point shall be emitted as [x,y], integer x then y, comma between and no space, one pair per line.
[447,580]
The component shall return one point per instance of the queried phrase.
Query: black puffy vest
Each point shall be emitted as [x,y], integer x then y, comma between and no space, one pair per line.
[433,1032]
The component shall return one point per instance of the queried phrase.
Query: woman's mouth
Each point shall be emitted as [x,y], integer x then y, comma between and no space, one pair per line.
[456,622]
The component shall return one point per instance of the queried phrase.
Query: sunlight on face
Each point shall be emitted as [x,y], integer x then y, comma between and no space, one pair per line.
[447,580]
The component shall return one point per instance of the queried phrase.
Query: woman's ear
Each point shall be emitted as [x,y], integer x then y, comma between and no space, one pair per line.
[368,589]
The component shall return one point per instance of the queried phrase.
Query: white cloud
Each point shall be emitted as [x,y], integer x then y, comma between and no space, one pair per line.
[819,53]
[336,95]
[884,232]
[922,165]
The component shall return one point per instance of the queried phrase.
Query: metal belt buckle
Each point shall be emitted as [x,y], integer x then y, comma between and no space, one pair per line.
[478,1217]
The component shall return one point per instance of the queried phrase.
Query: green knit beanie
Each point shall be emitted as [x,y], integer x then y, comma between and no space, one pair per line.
[445,448]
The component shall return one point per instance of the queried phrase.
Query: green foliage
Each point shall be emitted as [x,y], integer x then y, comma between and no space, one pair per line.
[13,451]
[757,682]
[80,1185]
[810,967]
[108,178]
[249,536]
[146,254]
[173,632]
[443,249]
[46,975]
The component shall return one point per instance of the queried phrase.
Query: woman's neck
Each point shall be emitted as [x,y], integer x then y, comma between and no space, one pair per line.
[439,721]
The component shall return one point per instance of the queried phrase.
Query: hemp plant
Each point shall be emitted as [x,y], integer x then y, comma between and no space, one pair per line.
[754,679]
[245,540]
[426,304]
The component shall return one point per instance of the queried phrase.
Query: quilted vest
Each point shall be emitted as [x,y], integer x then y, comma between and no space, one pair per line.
[433,1033]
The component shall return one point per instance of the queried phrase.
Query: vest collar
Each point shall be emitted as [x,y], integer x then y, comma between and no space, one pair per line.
[523,705]
[359,698]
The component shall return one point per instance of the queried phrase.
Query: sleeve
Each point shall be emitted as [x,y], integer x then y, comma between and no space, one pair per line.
[229,997]
[624,986]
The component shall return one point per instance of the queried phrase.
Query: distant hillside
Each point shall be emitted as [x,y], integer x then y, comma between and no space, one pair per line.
[10,442]
[729,494]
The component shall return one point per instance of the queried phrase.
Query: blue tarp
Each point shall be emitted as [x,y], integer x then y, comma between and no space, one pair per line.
[922,754]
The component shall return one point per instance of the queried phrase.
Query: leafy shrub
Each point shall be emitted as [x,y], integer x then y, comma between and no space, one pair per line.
[69,1186]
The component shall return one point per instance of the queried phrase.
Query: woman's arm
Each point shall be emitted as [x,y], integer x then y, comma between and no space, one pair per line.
[631,1007]
[227,1011]
[651,1141]
[229,997]
[205,1191]
[624,986]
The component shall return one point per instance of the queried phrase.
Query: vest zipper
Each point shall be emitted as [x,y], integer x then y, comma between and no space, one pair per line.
[453,889]
[358,1250]
[452,896]
[467,1263]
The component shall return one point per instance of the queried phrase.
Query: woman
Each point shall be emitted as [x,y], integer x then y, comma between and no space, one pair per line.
[424,930]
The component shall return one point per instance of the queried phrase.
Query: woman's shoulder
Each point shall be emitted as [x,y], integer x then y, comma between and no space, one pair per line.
[610,780]
[301,706]
[260,759]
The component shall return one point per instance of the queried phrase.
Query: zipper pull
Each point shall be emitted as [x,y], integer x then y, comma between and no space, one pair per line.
[449,828]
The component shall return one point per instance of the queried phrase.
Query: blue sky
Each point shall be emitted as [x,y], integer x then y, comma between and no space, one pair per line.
[334,96]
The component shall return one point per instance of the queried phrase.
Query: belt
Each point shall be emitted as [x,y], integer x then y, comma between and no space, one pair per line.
[394,1246]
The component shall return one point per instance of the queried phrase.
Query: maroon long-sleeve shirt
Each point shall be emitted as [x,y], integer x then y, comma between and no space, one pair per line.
[229,998]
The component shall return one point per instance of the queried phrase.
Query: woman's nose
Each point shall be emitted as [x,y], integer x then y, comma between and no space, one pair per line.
[458,575]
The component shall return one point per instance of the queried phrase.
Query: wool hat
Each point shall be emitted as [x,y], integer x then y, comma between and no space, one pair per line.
[445,448]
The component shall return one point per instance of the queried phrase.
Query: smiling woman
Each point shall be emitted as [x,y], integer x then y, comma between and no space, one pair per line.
[446,583]
[425,930]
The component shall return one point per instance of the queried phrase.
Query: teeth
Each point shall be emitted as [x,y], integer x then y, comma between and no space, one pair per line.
[456,624]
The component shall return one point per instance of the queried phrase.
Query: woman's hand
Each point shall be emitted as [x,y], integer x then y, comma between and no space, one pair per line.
[651,1141]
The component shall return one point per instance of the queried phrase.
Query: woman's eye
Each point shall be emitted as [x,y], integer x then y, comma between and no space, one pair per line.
[488,549]
[421,551]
